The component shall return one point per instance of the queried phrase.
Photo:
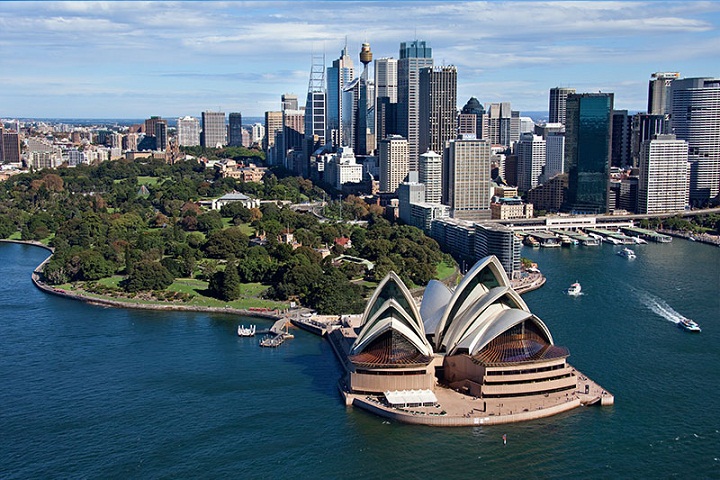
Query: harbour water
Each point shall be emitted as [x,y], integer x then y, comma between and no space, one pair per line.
[98,392]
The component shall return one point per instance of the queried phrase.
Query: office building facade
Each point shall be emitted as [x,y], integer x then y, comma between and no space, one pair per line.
[588,136]
[663,184]
[558,102]
[438,107]
[466,179]
[695,118]
[214,131]
[414,56]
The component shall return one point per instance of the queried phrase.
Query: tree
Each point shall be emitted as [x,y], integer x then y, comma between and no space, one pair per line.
[7,227]
[148,275]
[224,243]
[207,222]
[230,283]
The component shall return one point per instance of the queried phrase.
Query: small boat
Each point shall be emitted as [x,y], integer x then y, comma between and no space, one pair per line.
[246,332]
[689,325]
[574,289]
[627,253]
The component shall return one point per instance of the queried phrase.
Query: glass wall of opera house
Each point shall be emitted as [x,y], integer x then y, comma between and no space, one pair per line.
[468,356]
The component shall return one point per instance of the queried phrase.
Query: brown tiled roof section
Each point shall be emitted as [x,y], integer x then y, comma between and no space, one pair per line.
[519,348]
[389,350]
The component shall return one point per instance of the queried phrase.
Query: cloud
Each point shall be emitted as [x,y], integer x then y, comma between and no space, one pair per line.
[233,50]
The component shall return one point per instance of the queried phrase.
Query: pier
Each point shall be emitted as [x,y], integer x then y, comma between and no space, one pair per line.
[277,334]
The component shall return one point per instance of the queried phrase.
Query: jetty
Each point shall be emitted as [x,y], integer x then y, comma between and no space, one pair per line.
[277,334]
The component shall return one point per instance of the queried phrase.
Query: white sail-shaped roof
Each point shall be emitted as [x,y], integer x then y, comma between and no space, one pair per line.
[487,273]
[435,299]
[392,308]
[391,316]
[475,315]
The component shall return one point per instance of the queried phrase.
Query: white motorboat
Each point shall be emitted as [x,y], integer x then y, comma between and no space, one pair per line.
[689,325]
[575,289]
[627,253]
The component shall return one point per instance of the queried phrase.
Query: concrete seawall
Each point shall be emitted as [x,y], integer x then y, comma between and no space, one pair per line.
[271,315]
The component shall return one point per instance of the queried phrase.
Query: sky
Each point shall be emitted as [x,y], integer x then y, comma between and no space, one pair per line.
[137,59]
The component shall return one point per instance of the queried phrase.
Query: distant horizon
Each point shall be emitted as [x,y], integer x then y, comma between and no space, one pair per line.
[81,59]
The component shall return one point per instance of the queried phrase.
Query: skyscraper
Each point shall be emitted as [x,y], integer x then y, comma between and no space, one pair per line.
[588,136]
[273,126]
[338,77]
[315,106]
[663,185]
[621,139]
[695,118]
[438,107]
[289,101]
[659,92]
[161,136]
[558,100]
[394,161]
[413,56]
[466,179]
[188,131]
[554,155]
[643,127]
[530,160]
[386,78]
[473,109]
[235,129]
[501,124]
[430,174]
[214,132]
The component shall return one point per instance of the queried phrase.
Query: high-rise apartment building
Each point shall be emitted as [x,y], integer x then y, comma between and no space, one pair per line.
[430,174]
[438,107]
[188,131]
[558,101]
[530,152]
[659,92]
[339,77]
[161,137]
[273,126]
[9,146]
[414,56]
[663,185]
[214,131]
[466,179]
[257,134]
[235,129]
[394,159]
[695,118]
[588,135]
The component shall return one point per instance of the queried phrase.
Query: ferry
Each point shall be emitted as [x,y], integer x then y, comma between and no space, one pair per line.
[574,289]
[689,325]
[627,253]
[246,332]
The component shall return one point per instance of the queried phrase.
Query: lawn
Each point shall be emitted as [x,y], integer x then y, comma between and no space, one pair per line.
[250,294]
[444,270]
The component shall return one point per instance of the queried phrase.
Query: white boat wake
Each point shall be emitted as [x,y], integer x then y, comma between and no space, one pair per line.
[661,308]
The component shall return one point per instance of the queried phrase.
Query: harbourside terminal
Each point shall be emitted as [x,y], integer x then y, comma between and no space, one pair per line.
[474,355]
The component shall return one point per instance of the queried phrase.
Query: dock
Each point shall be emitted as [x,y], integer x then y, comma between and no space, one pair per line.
[277,334]
[647,234]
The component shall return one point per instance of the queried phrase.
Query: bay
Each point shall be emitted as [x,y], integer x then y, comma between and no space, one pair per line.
[98,392]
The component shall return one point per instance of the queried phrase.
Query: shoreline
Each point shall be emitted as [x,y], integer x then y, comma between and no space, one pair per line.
[271,315]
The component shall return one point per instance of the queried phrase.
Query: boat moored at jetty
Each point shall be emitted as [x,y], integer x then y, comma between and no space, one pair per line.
[689,325]
[243,331]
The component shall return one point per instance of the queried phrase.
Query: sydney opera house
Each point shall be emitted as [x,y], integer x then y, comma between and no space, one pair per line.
[468,356]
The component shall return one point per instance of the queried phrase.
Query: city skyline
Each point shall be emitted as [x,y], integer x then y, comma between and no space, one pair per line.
[137,59]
